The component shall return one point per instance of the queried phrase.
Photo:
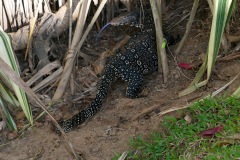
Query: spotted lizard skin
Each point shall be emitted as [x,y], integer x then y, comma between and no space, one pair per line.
[137,58]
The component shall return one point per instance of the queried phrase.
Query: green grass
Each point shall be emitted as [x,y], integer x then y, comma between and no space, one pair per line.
[181,140]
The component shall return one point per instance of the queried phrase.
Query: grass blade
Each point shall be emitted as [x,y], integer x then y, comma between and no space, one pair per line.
[237,92]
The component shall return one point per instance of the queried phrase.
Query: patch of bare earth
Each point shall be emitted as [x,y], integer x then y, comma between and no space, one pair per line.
[120,118]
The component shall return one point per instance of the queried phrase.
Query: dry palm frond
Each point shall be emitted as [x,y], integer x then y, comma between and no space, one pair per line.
[76,46]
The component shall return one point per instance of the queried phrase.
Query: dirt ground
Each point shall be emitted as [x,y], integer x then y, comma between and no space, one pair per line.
[121,118]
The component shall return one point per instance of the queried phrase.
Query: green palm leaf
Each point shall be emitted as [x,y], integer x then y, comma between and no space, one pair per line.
[8,56]
[10,121]
[222,12]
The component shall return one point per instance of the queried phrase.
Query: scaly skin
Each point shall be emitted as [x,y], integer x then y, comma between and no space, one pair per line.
[138,57]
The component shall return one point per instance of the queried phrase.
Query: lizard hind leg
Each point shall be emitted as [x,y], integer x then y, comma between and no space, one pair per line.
[134,78]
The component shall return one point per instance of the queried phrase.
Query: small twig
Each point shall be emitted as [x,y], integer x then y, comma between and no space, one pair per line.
[233,38]
[123,156]
[121,43]
[176,63]
[230,57]
[183,18]
[1,145]
[32,24]
[210,95]
[147,110]
[189,26]
[70,24]
[97,21]
[100,63]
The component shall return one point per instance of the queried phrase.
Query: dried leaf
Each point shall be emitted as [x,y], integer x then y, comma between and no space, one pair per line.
[12,135]
[20,115]
[188,119]
[2,125]
[209,133]
[38,124]
[185,66]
